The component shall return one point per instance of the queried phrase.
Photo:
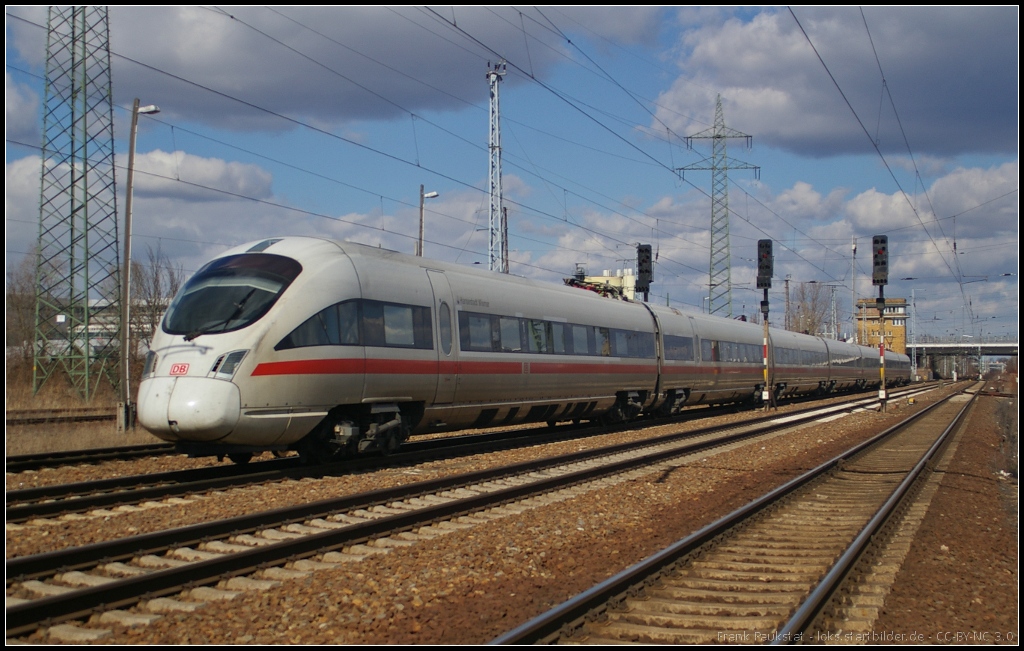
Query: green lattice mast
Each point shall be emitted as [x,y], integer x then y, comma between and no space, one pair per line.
[77,261]
[720,274]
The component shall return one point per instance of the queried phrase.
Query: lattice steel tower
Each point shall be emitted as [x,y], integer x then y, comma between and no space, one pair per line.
[77,262]
[497,249]
[720,294]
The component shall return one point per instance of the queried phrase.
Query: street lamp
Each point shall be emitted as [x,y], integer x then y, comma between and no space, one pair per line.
[128,409]
[428,195]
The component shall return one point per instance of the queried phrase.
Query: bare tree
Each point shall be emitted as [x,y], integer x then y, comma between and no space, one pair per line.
[21,308]
[809,309]
[155,281]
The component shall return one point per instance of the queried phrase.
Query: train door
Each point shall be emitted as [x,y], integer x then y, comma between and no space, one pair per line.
[444,315]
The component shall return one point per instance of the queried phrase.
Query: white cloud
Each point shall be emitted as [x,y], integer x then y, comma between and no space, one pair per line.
[773,85]
[186,176]
[22,112]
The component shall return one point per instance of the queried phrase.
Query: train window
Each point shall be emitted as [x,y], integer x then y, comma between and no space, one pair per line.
[558,338]
[621,342]
[444,323]
[372,326]
[398,327]
[728,351]
[511,337]
[710,351]
[538,336]
[383,324]
[483,332]
[604,342]
[475,331]
[580,340]
[646,340]
[679,348]
[229,294]
[321,329]
[348,323]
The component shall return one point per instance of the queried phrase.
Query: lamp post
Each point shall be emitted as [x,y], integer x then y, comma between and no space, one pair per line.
[423,197]
[127,408]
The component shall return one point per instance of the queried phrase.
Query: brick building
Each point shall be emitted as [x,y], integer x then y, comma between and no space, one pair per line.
[892,323]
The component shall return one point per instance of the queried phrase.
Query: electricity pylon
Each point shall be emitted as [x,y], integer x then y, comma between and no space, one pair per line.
[720,290]
[77,260]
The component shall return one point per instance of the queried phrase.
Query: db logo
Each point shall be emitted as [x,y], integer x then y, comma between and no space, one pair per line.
[179,369]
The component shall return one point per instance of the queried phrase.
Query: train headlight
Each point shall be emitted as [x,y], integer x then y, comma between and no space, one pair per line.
[150,367]
[226,365]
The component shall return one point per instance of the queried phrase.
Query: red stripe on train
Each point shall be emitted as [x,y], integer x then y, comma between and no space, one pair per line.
[354,366]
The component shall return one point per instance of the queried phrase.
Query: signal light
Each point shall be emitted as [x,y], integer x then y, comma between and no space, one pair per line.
[765,264]
[644,268]
[880,260]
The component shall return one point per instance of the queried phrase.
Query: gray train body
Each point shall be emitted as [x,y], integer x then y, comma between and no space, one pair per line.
[329,347]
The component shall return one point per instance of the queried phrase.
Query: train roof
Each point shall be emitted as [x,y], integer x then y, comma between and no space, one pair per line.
[308,250]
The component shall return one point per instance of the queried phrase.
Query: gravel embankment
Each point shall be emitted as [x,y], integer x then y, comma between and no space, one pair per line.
[472,585]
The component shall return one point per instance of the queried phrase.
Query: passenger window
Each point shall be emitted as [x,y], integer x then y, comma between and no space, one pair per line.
[398,329]
[348,320]
[558,338]
[479,333]
[580,345]
[511,341]
[537,336]
[621,343]
[373,323]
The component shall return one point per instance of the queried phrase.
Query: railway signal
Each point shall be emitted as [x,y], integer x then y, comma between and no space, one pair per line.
[765,271]
[644,269]
[765,264]
[880,259]
[880,278]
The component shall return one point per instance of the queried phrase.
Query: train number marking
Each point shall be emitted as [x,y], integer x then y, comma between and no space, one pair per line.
[179,369]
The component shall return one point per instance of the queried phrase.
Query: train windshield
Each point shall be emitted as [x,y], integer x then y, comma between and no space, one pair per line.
[229,294]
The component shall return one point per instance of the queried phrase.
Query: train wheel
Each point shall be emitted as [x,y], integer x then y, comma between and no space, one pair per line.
[240,457]
[314,450]
[391,441]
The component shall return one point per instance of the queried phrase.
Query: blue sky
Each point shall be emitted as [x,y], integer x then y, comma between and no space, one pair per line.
[327,120]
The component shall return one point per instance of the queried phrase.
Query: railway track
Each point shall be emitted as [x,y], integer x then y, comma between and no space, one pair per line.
[766,571]
[26,462]
[69,584]
[23,462]
[28,504]
[39,416]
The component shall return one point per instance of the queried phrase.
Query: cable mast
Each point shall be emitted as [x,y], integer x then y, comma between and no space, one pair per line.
[720,274]
[497,258]
[77,260]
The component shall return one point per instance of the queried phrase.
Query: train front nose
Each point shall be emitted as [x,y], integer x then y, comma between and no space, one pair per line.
[189,408]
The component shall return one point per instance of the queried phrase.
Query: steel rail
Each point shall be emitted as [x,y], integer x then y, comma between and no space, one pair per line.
[548,625]
[47,501]
[24,618]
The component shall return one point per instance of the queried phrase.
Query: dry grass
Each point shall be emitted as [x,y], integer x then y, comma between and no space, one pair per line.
[36,439]
[58,394]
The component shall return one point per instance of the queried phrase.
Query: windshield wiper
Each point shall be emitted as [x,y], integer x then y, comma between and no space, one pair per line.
[239,306]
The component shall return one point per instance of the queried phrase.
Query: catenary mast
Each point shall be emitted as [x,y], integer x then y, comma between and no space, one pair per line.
[77,258]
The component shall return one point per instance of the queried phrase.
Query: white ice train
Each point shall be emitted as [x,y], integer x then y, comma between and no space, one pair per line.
[325,347]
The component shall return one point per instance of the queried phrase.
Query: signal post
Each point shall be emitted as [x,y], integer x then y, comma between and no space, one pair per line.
[765,267]
[880,278]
